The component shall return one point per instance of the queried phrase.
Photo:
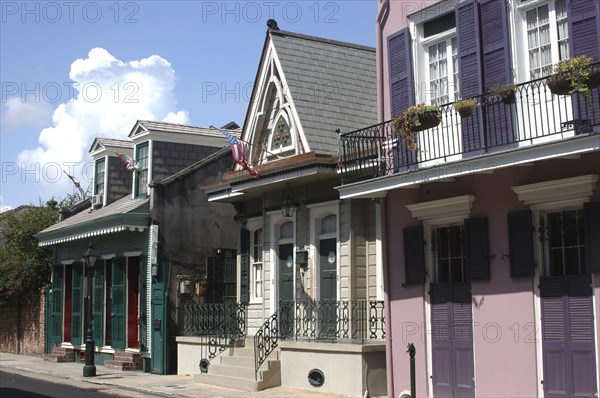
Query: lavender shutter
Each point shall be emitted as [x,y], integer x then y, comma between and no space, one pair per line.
[402,90]
[520,243]
[568,336]
[496,70]
[452,340]
[477,248]
[469,70]
[583,17]
[591,216]
[414,254]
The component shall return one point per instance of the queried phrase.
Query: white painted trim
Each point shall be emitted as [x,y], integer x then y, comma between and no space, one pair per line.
[443,209]
[379,186]
[575,189]
[378,253]
[106,172]
[252,225]
[317,211]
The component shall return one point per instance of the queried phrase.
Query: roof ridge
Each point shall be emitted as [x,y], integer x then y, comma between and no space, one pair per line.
[321,40]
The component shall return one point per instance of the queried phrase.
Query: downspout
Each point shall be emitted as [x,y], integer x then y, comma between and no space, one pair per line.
[380,23]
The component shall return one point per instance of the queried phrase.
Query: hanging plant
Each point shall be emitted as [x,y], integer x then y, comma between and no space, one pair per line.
[506,92]
[465,107]
[416,118]
[574,75]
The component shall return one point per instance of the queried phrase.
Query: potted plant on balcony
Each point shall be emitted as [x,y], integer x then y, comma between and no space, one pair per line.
[417,118]
[506,92]
[465,107]
[574,75]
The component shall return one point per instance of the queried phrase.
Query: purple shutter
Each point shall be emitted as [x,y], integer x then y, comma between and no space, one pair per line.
[477,248]
[584,39]
[584,28]
[568,336]
[402,90]
[520,243]
[452,340]
[591,217]
[469,70]
[496,70]
[414,254]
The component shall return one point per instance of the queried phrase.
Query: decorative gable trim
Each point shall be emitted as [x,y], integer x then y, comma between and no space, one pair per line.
[458,207]
[567,191]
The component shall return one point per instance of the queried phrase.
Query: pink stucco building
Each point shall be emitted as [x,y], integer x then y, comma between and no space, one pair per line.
[490,222]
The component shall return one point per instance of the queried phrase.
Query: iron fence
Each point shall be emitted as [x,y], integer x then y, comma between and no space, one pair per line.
[535,116]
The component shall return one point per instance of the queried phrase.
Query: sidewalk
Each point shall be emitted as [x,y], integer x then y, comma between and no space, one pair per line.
[132,384]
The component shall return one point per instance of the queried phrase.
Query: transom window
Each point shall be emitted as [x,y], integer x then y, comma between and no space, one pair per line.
[99,177]
[564,242]
[328,225]
[448,251]
[257,264]
[141,178]
[547,37]
[286,231]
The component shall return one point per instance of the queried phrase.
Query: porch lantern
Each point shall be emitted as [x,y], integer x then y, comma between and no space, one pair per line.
[287,202]
[89,258]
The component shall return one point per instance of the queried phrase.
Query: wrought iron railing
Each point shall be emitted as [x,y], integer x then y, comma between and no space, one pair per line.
[536,117]
[218,325]
[353,321]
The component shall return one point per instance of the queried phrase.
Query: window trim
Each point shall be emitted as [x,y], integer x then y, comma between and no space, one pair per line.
[253,291]
[520,48]
[104,177]
[136,178]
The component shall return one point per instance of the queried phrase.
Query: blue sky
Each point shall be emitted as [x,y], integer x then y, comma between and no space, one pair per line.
[71,71]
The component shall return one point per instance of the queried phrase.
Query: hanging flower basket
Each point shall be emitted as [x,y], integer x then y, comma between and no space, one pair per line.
[417,118]
[506,93]
[465,107]
[574,75]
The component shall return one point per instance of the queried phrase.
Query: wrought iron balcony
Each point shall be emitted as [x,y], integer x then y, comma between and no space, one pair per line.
[536,117]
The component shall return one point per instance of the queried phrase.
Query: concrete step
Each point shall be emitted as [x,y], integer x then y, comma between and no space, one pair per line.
[229,370]
[247,362]
[247,351]
[237,383]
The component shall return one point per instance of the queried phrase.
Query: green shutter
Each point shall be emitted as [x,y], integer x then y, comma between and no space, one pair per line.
[77,305]
[56,306]
[99,303]
[520,243]
[414,254]
[245,265]
[477,248]
[118,303]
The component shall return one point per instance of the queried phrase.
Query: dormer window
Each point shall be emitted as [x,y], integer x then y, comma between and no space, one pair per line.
[141,176]
[100,170]
[281,135]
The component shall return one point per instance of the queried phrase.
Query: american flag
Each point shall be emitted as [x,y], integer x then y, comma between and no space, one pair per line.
[238,149]
[76,183]
[130,163]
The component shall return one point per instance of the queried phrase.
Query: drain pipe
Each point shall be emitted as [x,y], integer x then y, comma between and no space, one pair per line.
[413,383]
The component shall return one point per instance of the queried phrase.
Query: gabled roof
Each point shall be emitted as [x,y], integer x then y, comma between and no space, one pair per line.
[124,214]
[191,168]
[100,143]
[332,84]
[147,125]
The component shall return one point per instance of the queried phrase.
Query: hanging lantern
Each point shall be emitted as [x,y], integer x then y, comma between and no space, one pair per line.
[287,202]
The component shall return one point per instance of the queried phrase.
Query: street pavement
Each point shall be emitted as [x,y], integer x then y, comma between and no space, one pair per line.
[133,384]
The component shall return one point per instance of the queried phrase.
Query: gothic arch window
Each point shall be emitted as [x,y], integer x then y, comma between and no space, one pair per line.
[281,135]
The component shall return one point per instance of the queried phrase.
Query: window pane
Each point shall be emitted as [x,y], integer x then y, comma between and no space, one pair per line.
[286,231]
[328,224]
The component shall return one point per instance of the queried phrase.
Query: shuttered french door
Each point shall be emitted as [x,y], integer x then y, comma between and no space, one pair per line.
[452,341]
[568,336]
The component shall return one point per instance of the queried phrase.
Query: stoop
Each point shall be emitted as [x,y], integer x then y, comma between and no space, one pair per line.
[61,354]
[235,369]
[125,360]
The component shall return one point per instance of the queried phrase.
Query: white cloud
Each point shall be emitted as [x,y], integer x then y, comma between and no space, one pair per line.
[180,117]
[111,96]
[4,207]
[17,113]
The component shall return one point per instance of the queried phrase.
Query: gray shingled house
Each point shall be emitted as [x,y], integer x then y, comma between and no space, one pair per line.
[309,263]
[158,240]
